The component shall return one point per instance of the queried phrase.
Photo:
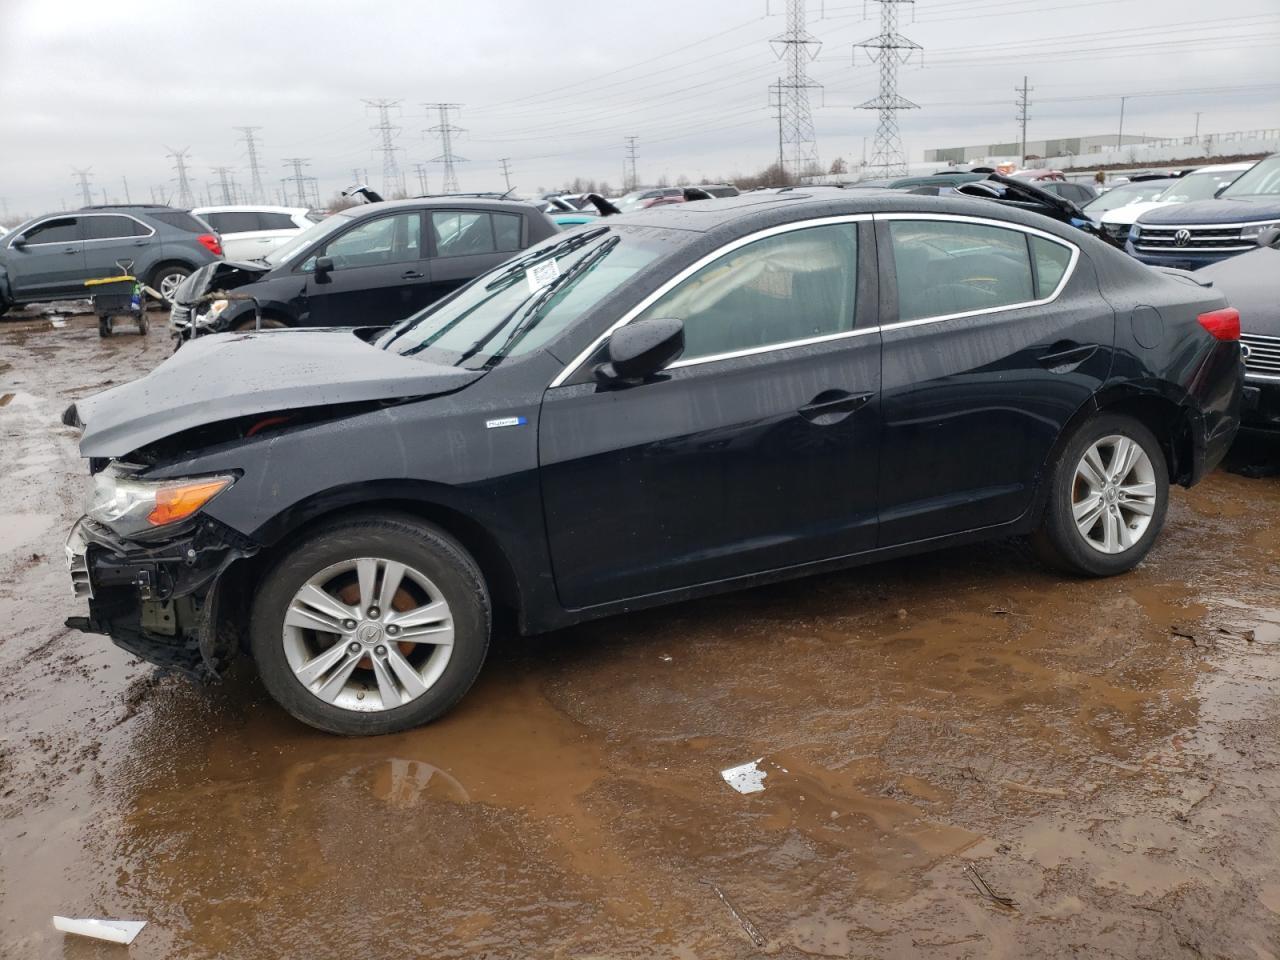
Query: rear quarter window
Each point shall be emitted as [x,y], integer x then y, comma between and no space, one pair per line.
[180,219]
[1052,260]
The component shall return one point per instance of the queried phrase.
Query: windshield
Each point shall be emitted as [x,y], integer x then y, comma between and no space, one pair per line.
[1262,179]
[522,304]
[301,241]
[1126,194]
[1201,185]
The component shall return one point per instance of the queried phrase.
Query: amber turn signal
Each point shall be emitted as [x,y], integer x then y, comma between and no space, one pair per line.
[181,500]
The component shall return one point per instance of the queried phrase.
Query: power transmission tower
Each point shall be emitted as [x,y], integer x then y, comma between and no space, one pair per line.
[83,176]
[445,131]
[506,170]
[421,170]
[224,184]
[257,192]
[630,179]
[179,158]
[392,177]
[303,184]
[796,47]
[775,101]
[125,182]
[889,49]
[1022,104]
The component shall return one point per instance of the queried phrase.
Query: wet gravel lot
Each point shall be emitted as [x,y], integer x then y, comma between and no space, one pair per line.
[939,735]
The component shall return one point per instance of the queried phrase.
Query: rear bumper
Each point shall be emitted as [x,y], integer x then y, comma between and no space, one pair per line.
[158,600]
[1218,392]
[1261,404]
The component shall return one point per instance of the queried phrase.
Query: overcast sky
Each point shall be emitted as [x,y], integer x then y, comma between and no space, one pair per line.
[556,85]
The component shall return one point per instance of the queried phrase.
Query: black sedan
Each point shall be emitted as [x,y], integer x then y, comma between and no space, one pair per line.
[687,400]
[371,264]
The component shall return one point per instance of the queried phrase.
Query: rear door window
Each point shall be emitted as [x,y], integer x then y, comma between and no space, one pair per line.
[794,286]
[460,233]
[947,267]
[113,227]
[506,231]
[60,230]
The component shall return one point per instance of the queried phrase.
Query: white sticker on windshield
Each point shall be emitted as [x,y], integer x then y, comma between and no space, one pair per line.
[542,274]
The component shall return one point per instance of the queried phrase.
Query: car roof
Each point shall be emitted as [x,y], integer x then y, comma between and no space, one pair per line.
[247,207]
[439,203]
[763,208]
[1222,168]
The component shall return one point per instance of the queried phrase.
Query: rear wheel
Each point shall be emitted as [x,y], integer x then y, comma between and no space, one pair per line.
[167,279]
[371,625]
[1109,492]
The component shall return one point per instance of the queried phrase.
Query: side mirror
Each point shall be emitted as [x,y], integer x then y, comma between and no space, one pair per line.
[18,243]
[1269,237]
[324,265]
[641,349]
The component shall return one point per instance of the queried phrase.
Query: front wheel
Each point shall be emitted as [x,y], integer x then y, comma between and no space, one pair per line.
[1108,495]
[371,625]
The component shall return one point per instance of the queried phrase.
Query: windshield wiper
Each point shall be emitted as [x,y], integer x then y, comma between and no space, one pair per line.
[534,312]
[567,245]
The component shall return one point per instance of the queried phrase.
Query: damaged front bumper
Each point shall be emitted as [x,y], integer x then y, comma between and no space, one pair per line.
[161,600]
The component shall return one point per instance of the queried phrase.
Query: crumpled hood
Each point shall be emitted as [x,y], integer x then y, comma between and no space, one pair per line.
[1222,210]
[1251,284]
[231,375]
[219,275]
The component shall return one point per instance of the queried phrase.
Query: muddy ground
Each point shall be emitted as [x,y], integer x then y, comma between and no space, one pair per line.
[1104,754]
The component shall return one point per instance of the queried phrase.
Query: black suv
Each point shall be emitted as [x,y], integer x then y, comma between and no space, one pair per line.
[369,265]
[50,257]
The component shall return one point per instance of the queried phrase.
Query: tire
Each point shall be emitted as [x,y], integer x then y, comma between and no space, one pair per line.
[336,557]
[1115,539]
[268,323]
[170,274]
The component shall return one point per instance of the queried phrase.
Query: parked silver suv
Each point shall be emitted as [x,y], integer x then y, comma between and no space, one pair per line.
[50,257]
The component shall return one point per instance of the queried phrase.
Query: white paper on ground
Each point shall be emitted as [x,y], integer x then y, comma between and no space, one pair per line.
[116,931]
[746,778]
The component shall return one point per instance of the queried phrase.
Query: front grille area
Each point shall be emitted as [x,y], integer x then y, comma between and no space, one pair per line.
[1263,354]
[179,316]
[1166,239]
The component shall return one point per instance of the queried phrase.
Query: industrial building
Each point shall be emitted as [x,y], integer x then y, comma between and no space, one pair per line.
[1067,146]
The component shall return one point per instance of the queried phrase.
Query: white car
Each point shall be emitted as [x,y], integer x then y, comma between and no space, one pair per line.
[251,232]
[1202,183]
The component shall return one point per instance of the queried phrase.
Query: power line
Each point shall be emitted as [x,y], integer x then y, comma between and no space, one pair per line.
[889,49]
[1022,104]
[83,176]
[796,47]
[445,131]
[392,178]
[257,193]
[179,158]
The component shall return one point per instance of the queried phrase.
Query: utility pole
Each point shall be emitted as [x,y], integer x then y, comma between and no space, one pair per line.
[223,183]
[796,46]
[1022,104]
[257,192]
[125,182]
[445,131]
[632,180]
[1120,136]
[421,170]
[179,158]
[890,49]
[1196,137]
[83,176]
[506,171]
[392,177]
[299,179]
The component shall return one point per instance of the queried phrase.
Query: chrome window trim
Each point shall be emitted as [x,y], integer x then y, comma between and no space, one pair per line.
[986,222]
[81,216]
[693,268]
[573,365]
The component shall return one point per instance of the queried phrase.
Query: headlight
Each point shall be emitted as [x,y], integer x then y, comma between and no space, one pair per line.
[131,507]
[212,313]
[1252,230]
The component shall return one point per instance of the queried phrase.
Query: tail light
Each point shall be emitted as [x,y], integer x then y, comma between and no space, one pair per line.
[211,243]
[1224,324]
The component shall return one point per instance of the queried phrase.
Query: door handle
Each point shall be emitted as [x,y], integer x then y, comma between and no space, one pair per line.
[71,250]
[411,275]
[831,406]
[1065,355]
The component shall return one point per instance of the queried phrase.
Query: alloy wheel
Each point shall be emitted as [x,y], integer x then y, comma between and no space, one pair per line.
[169,284]
[368,634]
[1114,494]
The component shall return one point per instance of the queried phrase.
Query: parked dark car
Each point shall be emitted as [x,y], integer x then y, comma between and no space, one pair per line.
[369,265]
[1251,282]
[50,257]
[678,402]
[1193,235]
[1077,193]
[1030,196]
